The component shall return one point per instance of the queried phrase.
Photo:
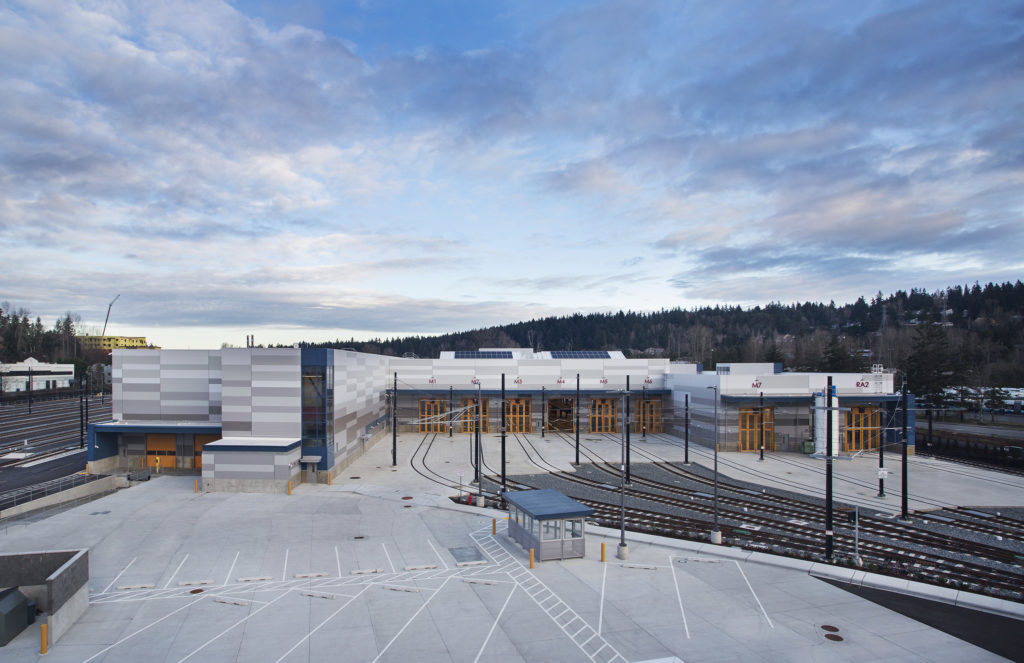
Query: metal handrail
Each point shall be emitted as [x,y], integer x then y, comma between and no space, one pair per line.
[25,494]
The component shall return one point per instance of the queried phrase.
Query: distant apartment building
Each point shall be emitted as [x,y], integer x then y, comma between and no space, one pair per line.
[112,342]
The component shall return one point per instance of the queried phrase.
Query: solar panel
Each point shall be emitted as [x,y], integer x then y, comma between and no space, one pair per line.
[487,354]
[579,354]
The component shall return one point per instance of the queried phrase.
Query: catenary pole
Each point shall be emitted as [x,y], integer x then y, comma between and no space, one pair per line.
[761,413]
[686,430]
[543,411]
[504,423]
[625,421]
[451,397]
[643,415]
[828,469]
[904,514]
[394,423]
[576,410]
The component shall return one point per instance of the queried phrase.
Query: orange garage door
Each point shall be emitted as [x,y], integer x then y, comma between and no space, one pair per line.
[160,446]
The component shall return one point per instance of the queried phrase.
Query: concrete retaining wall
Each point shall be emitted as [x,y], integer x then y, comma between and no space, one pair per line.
[97,487]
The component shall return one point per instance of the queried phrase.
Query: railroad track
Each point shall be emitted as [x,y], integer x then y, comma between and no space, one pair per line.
[777,523]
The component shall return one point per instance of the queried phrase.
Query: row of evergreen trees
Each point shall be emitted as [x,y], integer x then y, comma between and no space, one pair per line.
[964,335]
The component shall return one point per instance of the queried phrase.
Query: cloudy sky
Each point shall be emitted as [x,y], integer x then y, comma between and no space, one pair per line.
[313,170]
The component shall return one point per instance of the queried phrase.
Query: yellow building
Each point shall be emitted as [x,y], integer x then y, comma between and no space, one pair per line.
[112,342]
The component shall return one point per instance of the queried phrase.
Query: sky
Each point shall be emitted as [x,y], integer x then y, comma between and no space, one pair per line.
[326,170]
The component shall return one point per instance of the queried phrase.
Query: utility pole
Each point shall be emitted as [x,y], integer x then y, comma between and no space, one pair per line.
[81,416]
[828,470]
[716,534]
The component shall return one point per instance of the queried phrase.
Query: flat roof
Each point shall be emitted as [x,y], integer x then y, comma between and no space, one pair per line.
[253,444]
[547,504]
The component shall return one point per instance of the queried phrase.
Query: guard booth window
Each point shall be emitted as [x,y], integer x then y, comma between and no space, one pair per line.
[648,413]
[750,428]
[432,419]
[518,415]
[863,428]
[603,415]
[468,419]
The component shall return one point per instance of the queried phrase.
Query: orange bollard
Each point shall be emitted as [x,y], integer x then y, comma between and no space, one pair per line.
[531,558]
[42,638]
[87,469]
[494,525]
[329,479]
[197,485]
[602,551]
[289,487]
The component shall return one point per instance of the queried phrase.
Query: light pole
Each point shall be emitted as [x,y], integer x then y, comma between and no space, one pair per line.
[716,535]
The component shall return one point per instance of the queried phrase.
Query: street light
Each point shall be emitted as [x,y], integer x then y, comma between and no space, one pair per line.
[716,535]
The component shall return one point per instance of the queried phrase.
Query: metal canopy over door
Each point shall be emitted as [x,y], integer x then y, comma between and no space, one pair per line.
[560,415]
[432,418]
[468,419]
[518,417]
[863,428]
[603,415]
[750,428]
[160,450]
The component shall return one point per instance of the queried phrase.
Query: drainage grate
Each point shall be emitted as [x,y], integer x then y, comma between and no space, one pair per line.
[830,629]
[196,591]
[407,497]
[359,537]
[833,637]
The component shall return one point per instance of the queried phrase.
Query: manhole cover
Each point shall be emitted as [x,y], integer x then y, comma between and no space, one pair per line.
[833,637]
[406,506]
[359,537]
[196,591]
[407,497]
[353,477]
[830,629]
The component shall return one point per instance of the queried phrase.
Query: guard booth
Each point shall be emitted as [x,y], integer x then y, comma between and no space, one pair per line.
[547,521]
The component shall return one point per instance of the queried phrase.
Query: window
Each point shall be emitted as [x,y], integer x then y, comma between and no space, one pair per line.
[574,529]
[551,530]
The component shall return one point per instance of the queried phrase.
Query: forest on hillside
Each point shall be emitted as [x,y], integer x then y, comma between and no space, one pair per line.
[963,335]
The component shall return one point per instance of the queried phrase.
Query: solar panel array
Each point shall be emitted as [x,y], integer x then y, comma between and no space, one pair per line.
[579,354]
[483,354]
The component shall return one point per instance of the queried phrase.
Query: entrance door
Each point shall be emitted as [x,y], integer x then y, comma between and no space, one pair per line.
[603,415]
[863,428]
[432,418]
[468,418]
[751,421]
[648,413]
[518,415]
[560,415]
[160,450]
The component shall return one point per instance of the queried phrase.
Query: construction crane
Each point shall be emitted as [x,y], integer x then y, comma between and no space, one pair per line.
[108,315]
